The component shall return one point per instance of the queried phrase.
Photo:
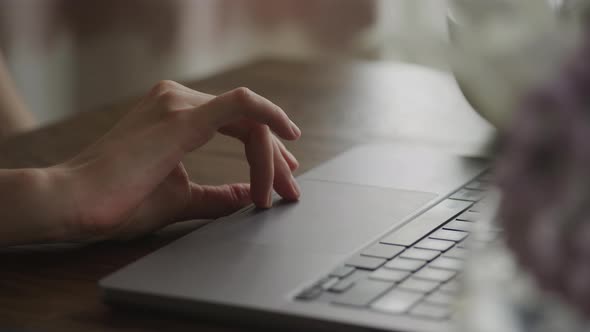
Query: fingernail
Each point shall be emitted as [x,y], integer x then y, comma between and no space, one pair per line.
[296,131]
[269,201]
[296,187]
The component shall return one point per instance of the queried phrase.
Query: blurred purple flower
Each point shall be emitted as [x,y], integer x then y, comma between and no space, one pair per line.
[543,171]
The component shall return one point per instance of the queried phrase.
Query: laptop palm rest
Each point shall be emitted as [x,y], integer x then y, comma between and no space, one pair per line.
[271,251]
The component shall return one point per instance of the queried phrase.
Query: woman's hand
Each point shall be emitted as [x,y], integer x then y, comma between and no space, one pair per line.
[131,181]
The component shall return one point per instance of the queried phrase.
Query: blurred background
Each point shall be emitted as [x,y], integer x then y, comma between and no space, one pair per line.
[68,55]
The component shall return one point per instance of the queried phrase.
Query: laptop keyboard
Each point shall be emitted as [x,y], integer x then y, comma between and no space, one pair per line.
[415,269]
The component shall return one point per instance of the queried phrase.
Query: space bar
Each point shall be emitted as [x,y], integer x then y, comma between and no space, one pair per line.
[425,223]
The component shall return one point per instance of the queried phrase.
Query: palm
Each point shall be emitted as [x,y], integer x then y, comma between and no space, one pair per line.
[163,205]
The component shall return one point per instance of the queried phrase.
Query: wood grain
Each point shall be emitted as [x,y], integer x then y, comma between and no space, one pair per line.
[337,106]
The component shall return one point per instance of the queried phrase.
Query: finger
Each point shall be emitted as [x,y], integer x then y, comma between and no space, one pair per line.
[289,157]
[243,103]
[171,94]
[241,130]
[208,202]
[196,93]
[284,182]
[193,97]
[259,152]
[165,86]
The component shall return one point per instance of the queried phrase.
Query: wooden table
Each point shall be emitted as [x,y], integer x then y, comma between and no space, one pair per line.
[337,106]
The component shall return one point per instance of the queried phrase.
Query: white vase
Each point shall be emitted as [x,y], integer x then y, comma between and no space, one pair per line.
[501,49]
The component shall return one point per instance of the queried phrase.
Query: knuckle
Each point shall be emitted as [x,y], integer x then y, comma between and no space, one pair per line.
[261,130]
[258,133]
[162,87]
[167,99]
[243,95]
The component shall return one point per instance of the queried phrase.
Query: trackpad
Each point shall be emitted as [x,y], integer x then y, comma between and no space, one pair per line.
[330,217]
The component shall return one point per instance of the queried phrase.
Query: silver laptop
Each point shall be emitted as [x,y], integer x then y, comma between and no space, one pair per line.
[377,241]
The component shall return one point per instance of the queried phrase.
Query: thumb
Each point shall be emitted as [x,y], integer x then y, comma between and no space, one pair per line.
[208,202]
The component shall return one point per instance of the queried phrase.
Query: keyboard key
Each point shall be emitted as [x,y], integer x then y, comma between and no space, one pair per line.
[447,263]
[419,285]
[341,286]
[363,293]
[449,235]
[468,195]
[397,301]
[365,262]
[485,237]
[425,310]
[389,275]
[471,243]
[435,274]
[488,176]
[381,250]
[492,227]
[470,216]
[439,298]
[309,293]
[451,287]
[342,272]
[329,283]
[478,185]
[485,205]
[321,281]
[433,244]
[420,226]
[404,264]
[458,225]
[456,253]
[480,207]
[420,254]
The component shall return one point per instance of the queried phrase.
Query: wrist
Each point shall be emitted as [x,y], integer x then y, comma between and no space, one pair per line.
[76,207]
[48,189]
[59,184]
[31,207]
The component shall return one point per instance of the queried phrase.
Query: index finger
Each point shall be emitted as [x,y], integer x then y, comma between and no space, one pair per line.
[241,102]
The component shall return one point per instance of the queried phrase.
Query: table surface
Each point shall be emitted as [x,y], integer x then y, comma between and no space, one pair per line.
[337,106]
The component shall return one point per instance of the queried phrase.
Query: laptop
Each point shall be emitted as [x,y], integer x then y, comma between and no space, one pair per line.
[377,242]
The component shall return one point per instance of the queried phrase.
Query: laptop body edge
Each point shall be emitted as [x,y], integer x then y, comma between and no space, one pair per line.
[202,278]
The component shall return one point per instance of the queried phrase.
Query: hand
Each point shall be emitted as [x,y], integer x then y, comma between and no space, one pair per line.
[131,181]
